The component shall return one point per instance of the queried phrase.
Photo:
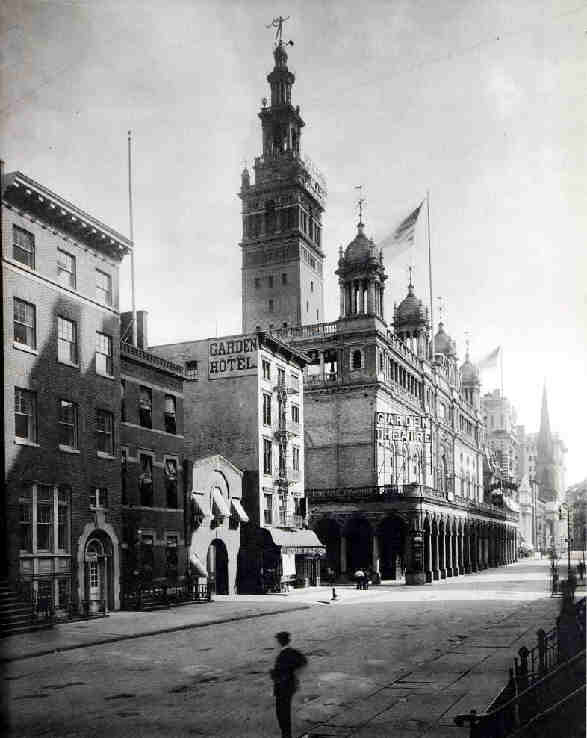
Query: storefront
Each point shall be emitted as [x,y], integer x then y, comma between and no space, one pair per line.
[289,558]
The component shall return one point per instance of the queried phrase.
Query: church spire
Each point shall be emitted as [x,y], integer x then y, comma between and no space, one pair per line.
[544,434]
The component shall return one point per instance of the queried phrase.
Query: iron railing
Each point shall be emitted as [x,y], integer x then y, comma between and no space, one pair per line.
[133,352]
[49,599]
[166,594]
[540,681]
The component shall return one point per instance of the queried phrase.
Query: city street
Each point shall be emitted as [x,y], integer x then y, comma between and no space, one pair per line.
[390,661]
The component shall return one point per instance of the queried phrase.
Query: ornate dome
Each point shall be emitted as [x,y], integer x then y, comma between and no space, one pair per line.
[411,309]
[469,372]
[361,248]
[443,343]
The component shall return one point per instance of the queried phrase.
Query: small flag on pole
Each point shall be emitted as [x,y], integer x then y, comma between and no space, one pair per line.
[403,236]
[489,361]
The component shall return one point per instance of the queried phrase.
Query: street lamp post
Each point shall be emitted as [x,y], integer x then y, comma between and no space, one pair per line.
[566,507]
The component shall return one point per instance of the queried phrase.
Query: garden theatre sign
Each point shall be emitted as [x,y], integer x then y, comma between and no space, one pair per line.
[391,428]
[232,357]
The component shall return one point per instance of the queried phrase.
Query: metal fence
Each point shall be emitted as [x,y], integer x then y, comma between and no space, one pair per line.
[165,594]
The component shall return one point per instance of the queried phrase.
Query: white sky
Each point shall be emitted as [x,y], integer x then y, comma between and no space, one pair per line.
[482,102]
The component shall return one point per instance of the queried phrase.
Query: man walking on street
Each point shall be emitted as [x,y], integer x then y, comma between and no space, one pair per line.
[285,681]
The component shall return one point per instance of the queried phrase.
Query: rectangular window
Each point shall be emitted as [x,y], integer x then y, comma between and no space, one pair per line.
[44,518]
[25,505]
[23,246]
[171,559]
[148,555]
[63,523]
[68,424]
[123,475]
[270,306]
[282,469]
[191,370]
[123,400]
[266,370]
[257,283]
[170,414]
[296,458]
[266,409]
[295,414]
[65,269]
[25,323]
[270,280]
[281,377]
[268,509]
[99,498]
[103,288]
[145,407]
[146,480]
[104,432]
[25,414]
[295,382]
[284,278]
[104,363]
[170,469]
[66,341]
[267,458]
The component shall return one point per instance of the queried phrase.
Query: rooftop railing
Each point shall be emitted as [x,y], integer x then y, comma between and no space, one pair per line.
[157,362]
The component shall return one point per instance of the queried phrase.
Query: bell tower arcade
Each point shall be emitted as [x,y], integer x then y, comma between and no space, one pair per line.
[282,257]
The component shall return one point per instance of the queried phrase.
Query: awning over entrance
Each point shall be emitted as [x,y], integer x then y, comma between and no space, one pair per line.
[198,565]
[200,500]
[239,510]
[220,503]
[297,541]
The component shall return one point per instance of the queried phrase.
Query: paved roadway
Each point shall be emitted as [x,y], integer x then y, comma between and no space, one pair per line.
[393,661]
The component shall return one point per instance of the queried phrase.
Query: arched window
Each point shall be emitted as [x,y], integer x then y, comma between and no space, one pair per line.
[270,216]
[357,359]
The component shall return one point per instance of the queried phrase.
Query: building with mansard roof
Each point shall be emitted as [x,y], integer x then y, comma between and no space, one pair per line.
[393,433]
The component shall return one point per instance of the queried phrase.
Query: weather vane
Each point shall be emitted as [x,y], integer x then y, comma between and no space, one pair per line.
[278,24]
[360,202]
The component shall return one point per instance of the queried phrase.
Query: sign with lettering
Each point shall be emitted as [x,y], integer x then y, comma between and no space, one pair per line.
[403,445]
[232,357]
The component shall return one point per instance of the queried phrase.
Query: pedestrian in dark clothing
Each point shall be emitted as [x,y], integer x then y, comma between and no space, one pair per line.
[285,681]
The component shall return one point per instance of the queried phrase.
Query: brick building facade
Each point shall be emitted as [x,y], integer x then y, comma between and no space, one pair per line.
[61,395]
[155,474]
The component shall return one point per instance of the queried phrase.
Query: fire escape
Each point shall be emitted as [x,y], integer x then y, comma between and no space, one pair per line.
[283,435]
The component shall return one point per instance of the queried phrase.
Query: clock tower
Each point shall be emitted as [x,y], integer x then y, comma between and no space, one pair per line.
[282,257]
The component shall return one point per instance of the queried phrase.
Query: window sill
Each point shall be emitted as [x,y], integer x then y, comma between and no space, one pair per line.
[67,363]
[105,455]
[68,449]
[26,442]
[106,376]
[25,348]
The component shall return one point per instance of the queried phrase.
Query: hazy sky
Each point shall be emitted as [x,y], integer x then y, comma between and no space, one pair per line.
[482,103]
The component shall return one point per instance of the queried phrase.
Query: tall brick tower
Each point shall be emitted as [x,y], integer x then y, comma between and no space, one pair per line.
[282,264]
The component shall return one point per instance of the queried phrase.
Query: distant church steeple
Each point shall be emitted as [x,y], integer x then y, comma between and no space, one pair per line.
[282,257]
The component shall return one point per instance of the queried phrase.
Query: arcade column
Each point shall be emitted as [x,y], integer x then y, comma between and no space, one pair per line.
[343,554]
[375,555]
[415,573]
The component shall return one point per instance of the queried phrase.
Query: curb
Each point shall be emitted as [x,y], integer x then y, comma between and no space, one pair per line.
[133,636]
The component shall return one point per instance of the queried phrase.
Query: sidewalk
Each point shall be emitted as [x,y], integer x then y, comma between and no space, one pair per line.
[122,625]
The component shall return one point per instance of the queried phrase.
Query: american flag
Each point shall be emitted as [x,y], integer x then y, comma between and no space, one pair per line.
[403,236]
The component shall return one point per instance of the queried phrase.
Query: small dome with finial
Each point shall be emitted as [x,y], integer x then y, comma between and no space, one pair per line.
[361,248]
[410,310]
[280,56]
[443,343]
[469,372]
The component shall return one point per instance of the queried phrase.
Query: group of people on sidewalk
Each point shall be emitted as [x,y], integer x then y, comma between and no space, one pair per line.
[365,577]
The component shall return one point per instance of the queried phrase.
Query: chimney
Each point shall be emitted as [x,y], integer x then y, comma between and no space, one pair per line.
[126,328]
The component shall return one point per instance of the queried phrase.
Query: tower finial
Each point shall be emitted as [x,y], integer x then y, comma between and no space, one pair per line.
[440,309]
[360,202]
[467,345]
[410,284]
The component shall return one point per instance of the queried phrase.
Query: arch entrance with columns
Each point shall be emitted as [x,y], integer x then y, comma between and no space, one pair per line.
[392,536]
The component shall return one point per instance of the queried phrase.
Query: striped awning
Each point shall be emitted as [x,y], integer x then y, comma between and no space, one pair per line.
[239,510]
[200,500]
[198,565]
[297,541]
[220,503]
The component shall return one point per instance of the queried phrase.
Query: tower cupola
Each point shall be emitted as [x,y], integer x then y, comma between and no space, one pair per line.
[411,322]
[361,277]
[470,383]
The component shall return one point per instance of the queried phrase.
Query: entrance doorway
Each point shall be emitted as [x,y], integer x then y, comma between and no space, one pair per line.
[359,538]
[98,574]
[392,537]
[217,565]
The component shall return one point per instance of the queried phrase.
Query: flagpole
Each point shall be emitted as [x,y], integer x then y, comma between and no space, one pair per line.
[501,368]
[430,276]
[132,251]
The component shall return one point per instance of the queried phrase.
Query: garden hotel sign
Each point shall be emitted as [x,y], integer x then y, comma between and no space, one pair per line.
[232,357]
